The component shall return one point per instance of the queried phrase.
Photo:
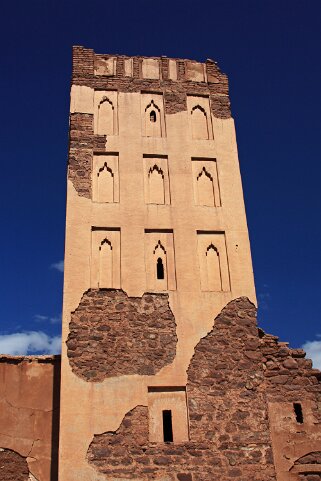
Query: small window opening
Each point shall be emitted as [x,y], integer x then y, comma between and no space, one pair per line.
[160,269]
[298,412]
[167,426]
[152,116]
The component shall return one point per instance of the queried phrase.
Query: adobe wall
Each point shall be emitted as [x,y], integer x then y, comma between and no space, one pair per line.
[29,417]
[134,219]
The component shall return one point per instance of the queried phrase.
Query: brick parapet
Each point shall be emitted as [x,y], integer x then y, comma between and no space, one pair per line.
[215,85]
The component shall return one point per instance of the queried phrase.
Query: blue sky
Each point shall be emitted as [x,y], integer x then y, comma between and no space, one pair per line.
[271,53]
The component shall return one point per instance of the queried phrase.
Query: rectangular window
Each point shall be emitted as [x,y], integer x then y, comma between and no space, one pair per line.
[168,418]
[298,412]
[167,426]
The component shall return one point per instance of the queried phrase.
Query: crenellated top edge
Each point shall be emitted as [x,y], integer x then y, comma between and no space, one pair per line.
[86,62]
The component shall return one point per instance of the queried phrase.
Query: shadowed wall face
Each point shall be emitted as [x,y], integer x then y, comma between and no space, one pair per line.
[29,417]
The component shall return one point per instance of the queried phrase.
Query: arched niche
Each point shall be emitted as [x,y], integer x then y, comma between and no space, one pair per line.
[199,123]
[106,117]
[160,266]
[156,186]
[105,184]
[153,121]
[213,267]
[205,188]
[105,264]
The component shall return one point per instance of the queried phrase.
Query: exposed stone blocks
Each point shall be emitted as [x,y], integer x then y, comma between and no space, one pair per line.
[112,334]
[13,467]
[288,375]
[235,371]
[229,432]
[81,143]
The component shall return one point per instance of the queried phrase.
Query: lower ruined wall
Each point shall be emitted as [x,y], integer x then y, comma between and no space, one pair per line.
[236,431]
[254,410]
[29,417]
[228,421]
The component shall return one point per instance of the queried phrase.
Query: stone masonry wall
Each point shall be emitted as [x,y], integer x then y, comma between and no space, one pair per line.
[290,381]
[112,334]
[13,467]
[81,143]
[288,375]
[229,432]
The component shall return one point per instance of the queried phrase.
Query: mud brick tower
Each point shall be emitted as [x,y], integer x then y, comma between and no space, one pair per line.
[165,375]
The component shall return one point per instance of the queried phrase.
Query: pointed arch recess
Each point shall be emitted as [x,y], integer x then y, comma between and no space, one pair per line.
[213,264]
[156,185]
[153,126]
[105,263]
[205,188]
[105,184]
[199,123]
[160,265]
[106,117]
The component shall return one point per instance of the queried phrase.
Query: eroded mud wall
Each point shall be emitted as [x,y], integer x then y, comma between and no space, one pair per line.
[29,417]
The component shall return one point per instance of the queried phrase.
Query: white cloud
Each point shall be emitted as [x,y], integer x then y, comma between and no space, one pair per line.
[59,266]
[52,320]
[39,317]
[33,342]
[313,350]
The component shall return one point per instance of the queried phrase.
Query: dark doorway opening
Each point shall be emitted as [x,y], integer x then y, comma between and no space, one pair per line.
[160,269]
[298,412]
[167,426]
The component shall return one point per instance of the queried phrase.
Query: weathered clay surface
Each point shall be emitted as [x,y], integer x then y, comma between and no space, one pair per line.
[229,433]
[13,467]
[112,334]
[29,417]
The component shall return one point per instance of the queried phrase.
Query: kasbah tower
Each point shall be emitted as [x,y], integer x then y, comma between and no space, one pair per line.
[165,375]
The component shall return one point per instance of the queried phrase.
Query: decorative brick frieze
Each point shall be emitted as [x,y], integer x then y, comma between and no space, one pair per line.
[175,91]
[112,334]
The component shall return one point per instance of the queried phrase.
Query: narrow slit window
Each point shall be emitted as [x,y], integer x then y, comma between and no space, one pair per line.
[152,116]
[298,412]
[160,269]
[167,426]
